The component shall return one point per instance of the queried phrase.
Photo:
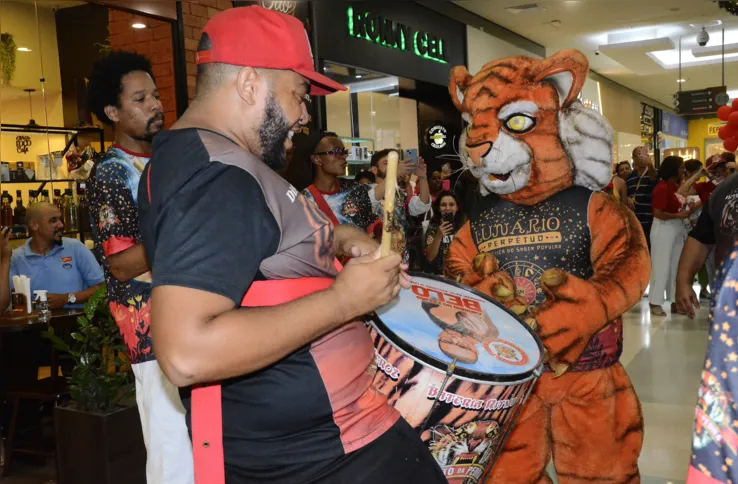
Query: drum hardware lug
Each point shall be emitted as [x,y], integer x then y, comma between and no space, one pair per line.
[538,372]
[449,372]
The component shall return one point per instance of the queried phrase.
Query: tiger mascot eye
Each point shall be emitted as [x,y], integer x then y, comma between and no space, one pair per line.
[569,259]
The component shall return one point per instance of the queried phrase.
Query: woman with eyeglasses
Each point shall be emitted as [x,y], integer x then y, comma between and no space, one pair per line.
[343,201]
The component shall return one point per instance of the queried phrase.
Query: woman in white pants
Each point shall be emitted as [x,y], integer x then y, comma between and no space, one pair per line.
[668,234]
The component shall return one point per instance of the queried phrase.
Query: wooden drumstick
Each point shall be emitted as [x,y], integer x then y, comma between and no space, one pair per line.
[390,186]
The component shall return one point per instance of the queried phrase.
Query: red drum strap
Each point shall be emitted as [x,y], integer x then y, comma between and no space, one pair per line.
[207,416]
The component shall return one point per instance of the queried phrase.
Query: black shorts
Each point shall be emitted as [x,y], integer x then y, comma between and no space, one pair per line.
[397,457]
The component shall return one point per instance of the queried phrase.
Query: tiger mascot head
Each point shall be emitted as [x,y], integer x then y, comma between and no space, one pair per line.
[528,137]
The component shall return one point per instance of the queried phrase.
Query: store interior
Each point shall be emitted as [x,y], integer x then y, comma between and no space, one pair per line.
[380,111]
[48,48]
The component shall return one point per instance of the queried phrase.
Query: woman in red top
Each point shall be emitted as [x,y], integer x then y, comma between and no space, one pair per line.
[668,234]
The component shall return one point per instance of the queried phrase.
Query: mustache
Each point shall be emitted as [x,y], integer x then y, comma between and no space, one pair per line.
[159,116]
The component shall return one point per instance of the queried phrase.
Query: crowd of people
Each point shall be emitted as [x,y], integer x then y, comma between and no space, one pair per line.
[671,205]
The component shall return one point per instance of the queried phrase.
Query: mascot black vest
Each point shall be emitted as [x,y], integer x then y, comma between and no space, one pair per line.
[530,240]
[527,241]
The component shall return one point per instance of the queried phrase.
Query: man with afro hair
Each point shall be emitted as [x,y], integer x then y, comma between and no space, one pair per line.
[122,93]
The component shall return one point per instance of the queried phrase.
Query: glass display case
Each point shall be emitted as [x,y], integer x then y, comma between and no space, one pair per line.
[360,154]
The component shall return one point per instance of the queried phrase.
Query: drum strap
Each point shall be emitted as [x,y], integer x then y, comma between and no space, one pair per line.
[207,411]
[323,205]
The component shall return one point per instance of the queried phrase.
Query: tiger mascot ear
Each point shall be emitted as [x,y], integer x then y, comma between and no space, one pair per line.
[460,80]
[567,72]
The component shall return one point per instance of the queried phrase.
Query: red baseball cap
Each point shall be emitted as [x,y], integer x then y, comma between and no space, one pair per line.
[258,37]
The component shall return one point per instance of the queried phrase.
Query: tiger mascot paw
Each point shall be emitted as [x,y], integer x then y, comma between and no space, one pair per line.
[566,337]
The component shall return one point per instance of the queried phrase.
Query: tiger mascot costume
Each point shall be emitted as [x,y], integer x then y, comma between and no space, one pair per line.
[569,259]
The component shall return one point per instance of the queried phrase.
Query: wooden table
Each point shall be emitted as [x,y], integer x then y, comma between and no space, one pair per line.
[11,322]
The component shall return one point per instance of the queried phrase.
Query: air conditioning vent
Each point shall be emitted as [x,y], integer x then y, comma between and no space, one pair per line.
[527,8]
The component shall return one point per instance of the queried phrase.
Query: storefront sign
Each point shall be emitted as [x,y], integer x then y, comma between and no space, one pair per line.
[437,137]
[673,125]
[713,128]
[395,35]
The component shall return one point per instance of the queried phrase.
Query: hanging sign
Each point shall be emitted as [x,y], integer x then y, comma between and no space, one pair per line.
[394,35]
[702,101]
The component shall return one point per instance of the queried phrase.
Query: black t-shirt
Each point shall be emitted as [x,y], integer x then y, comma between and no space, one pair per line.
[718,222]
[215,218]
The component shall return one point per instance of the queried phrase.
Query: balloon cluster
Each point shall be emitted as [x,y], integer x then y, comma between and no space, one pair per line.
[729,132]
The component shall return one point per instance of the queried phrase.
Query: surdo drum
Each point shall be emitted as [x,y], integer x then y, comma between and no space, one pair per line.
[459,367]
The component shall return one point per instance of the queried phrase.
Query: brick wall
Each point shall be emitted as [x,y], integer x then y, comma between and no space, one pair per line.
[195,14]
[155,42]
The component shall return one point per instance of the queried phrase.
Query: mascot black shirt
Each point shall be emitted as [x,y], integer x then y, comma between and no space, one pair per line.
[530,240]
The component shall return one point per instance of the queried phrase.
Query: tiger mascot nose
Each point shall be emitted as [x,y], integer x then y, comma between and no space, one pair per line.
[479,151]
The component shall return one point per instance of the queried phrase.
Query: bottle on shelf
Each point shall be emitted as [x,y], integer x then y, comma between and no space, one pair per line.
[70,212]
[45,196]
[19,213]
[58,200]
[6,211]
[83,210]
[32,196]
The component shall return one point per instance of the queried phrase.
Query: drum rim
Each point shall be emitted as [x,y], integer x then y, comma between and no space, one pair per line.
[460,372]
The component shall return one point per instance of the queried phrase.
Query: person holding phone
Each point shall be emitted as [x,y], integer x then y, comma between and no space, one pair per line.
[447,219]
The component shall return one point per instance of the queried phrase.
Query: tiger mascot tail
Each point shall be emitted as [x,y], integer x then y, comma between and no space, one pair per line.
[569,259]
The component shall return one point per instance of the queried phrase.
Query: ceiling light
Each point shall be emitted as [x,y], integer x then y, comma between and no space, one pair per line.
[358,76]
[528,7]
[681,80]
[138,25]
[24,49]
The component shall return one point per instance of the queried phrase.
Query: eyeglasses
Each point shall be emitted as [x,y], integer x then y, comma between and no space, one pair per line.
[334,152]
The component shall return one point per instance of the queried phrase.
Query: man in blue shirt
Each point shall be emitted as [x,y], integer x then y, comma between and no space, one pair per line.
[64,267]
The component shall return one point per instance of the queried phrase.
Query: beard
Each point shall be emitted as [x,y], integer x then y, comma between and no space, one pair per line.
[272,134]
[153,126]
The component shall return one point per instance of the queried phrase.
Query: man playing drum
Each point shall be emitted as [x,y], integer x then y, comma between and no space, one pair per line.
[222,230]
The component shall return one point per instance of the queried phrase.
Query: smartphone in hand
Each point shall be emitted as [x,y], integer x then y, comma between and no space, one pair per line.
[410,156]
[448,217]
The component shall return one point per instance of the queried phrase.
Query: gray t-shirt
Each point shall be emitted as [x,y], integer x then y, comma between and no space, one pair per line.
[718,223]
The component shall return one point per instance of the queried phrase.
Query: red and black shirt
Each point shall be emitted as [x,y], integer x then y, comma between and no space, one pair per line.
[218,219]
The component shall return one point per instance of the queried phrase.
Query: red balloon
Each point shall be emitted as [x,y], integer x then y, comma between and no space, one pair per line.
[730,144]
[724,113]
[726,132]
[735,105]
[733,120]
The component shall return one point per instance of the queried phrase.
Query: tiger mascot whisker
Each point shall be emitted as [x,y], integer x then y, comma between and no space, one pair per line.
[570,260]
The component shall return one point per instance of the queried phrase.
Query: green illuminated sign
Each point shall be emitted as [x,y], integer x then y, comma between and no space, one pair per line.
[394,35]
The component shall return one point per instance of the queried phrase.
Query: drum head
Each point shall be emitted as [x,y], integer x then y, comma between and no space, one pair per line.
[437,320]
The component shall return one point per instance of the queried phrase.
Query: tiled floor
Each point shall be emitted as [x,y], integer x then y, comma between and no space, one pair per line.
[663,357]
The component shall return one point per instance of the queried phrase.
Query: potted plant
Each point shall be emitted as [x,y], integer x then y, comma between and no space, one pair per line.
[7,57]
[98,436]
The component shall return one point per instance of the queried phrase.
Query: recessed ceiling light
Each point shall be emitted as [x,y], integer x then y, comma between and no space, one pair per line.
[24,49]
[138,25]
[681,80]
[358,76]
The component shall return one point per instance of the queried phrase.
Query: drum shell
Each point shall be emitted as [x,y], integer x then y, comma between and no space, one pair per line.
[467,428]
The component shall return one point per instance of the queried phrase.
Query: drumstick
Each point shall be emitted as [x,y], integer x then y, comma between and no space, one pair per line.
[390,185]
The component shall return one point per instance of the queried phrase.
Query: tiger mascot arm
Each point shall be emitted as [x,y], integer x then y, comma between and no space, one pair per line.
[481,271]
[621,264]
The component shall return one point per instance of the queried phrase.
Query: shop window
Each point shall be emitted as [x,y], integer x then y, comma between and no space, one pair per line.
[47,50]
[370,114]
